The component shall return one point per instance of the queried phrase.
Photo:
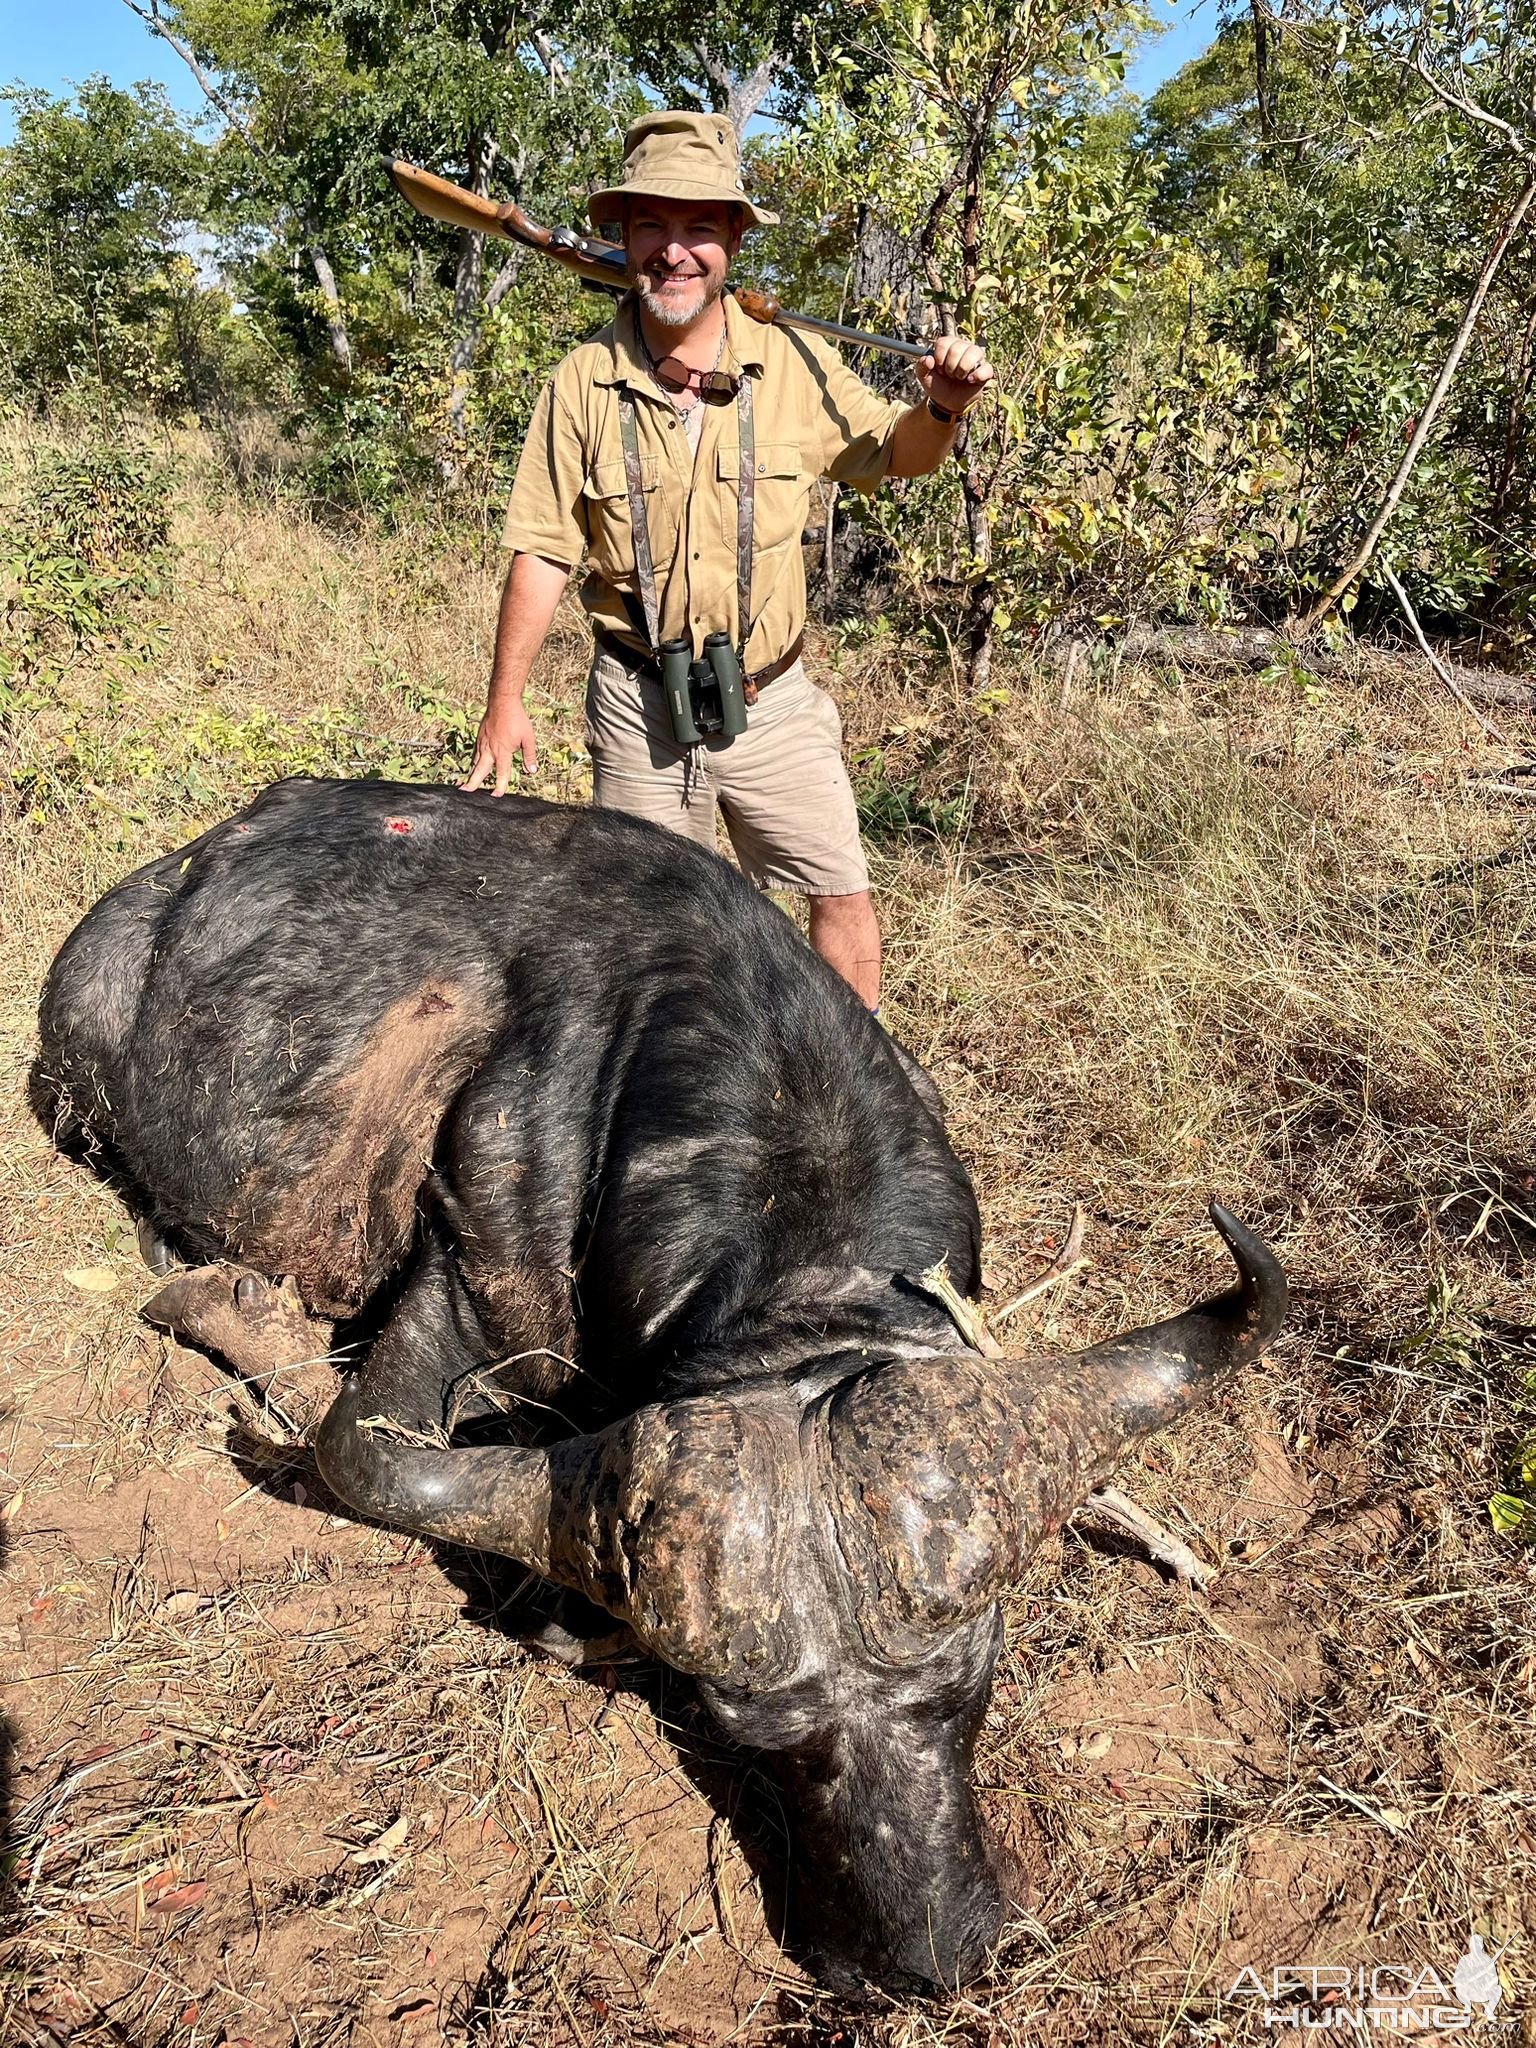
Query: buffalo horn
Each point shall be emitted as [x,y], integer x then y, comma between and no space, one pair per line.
[948,1471]
[485,1497]
[669,1519]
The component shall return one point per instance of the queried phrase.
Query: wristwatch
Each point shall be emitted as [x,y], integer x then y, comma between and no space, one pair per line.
[942,413]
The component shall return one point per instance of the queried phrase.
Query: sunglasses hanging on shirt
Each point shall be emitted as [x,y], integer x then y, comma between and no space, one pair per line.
[714,387]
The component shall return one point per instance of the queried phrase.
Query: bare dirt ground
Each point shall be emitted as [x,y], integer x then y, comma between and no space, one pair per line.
[279,1778]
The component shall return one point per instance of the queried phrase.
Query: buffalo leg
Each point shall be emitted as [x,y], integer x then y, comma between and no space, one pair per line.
[421,1369]
[430,1369]
[155,1251]
[417,1382]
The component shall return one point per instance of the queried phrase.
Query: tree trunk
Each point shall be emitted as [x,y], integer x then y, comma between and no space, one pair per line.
[1261,86]
[335,324]
[466,346]
[885,273]
[982,603]
[468,319]
[747,94]
[461,355]
[737,98]
[1362,555]
[1514,420]
[1266,40]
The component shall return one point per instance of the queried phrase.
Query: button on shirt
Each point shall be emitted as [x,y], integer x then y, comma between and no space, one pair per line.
[811,418]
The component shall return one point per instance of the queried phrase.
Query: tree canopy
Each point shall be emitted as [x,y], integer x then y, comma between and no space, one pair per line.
[1219,318]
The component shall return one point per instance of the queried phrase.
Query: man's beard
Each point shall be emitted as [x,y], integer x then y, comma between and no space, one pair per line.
[666,314]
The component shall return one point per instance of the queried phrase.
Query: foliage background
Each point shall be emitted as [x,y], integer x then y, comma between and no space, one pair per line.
[1158,929]
[1216,316]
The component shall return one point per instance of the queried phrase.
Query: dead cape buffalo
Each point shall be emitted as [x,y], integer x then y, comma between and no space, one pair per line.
[553,1087]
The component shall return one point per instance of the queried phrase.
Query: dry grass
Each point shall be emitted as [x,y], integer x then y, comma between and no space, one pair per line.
[283,1779]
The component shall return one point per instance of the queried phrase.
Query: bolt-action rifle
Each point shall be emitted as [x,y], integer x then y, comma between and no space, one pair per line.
[597,262]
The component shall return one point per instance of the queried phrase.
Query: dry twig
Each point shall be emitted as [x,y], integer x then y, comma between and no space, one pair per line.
[1066,1262]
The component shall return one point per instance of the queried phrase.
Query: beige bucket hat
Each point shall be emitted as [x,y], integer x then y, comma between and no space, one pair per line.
[679,156]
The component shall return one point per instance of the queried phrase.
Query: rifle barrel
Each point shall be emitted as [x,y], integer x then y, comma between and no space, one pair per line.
[855,337]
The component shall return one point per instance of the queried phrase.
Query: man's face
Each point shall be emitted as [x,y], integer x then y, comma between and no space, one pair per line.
[680,250]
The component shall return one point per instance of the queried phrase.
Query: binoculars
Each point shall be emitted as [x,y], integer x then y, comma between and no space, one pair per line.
[704,696]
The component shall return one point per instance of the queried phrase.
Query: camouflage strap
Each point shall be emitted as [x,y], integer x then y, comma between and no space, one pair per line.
[645,568]
[746,505]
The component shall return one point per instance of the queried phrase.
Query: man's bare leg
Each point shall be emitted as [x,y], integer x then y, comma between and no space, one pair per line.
[845,934]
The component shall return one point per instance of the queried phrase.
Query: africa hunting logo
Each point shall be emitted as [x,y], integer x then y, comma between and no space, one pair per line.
[1404,1998]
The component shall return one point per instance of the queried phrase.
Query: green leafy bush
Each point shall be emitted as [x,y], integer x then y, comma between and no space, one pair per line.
[89,542]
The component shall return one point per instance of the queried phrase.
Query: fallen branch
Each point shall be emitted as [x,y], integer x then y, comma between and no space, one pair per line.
[1439,667]
[1484,688]
[1256,647]
[1491,786]
[1251,647]
[1122,1513]
[1066,1261]
[1238,647]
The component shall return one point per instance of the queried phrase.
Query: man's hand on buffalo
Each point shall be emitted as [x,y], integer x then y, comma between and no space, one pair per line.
[530,598]
[506,734]
[955,373]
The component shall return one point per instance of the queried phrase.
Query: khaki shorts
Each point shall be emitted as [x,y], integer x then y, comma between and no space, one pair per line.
[782,786]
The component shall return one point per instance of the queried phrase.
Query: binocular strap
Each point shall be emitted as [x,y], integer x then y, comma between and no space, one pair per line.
[645,565]
[746,506]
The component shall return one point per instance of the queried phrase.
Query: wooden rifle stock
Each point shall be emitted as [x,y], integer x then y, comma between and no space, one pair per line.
[596,262]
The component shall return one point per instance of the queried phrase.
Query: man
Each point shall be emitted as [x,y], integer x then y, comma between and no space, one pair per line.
[642,431]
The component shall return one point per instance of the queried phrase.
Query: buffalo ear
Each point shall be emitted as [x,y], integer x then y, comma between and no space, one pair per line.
[715,1541]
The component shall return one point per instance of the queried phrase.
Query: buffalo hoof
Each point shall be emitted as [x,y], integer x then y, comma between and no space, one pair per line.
[577,1633]
[258,1328]
[154,1250]
[580,1651]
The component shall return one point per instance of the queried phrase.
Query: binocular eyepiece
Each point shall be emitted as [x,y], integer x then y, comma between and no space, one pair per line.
[704,696]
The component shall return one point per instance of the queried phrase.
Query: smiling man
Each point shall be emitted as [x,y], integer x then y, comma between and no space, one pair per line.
[676,453]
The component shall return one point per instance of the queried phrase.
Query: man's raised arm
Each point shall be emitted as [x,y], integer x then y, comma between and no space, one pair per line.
[530,598]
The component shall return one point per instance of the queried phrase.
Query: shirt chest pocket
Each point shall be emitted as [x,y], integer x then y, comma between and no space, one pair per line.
[780,492]
[610,531]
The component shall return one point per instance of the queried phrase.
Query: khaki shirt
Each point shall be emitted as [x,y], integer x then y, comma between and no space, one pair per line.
[811,417]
